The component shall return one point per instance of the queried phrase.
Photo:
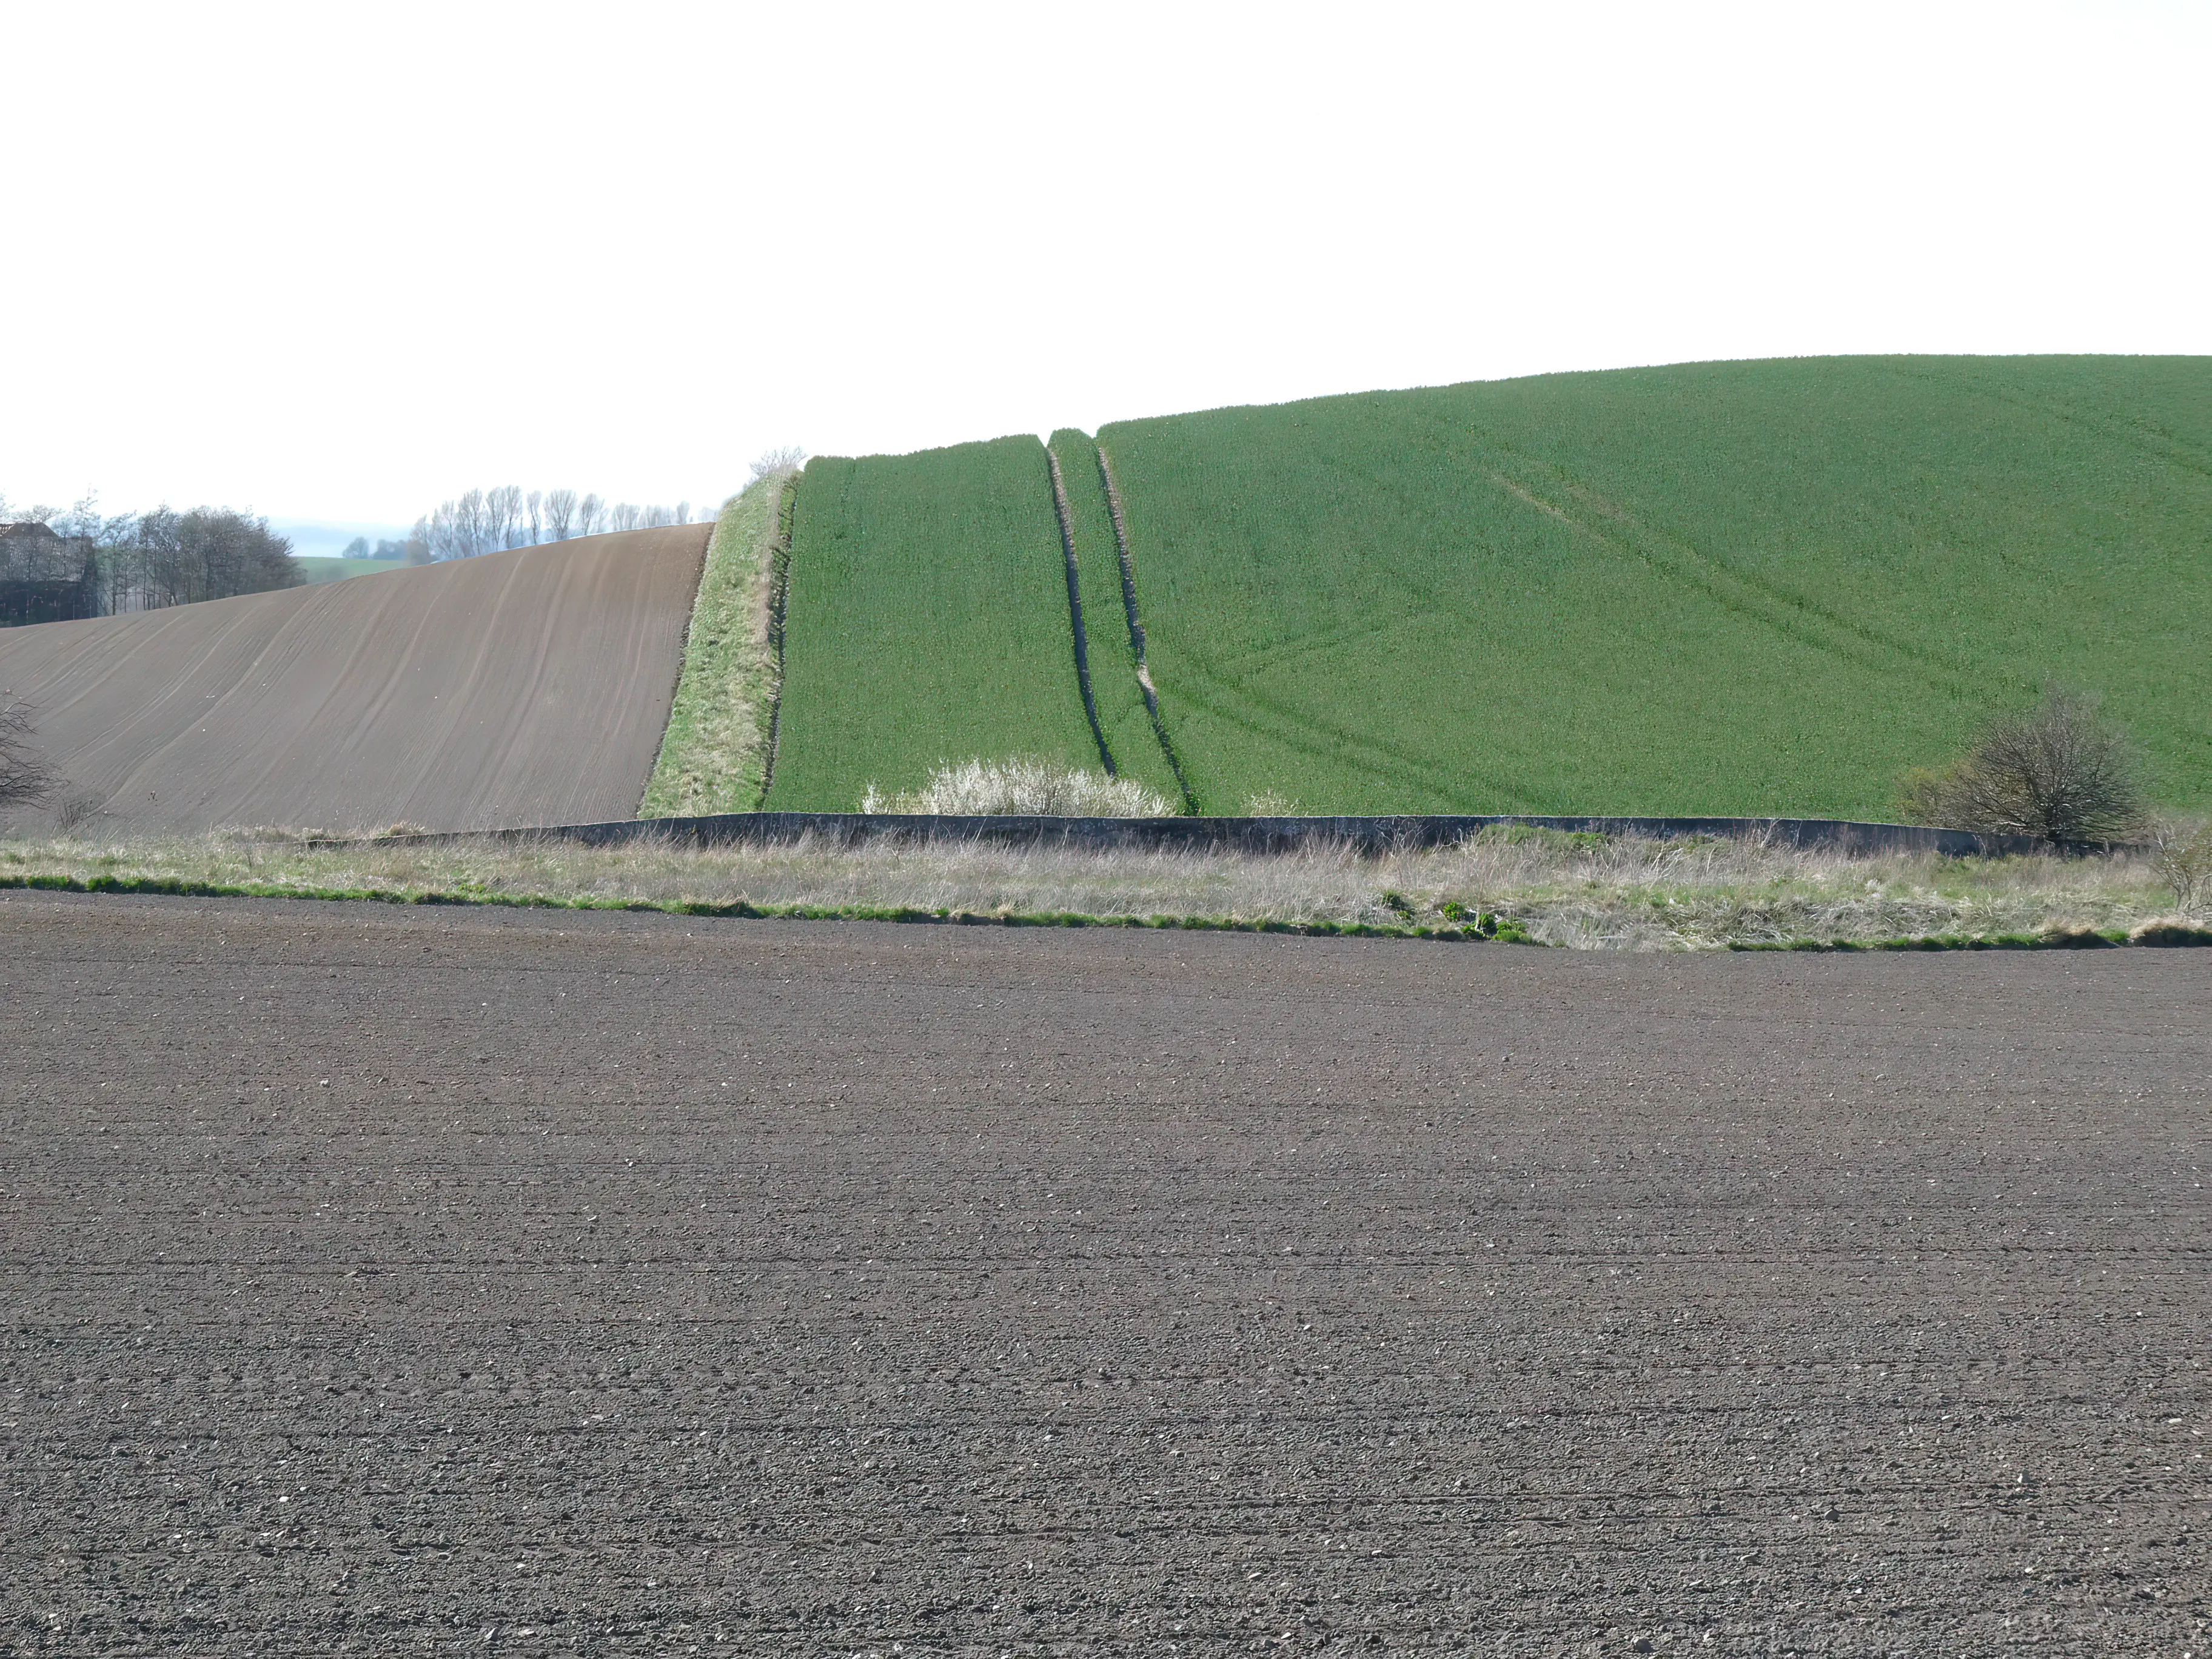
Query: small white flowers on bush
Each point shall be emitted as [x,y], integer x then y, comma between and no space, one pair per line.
[1026,787]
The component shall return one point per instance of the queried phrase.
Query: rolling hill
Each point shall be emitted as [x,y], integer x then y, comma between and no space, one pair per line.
[523,687]
[1739,588]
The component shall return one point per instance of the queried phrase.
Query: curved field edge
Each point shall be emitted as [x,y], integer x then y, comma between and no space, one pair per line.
[714,752]
[745,909]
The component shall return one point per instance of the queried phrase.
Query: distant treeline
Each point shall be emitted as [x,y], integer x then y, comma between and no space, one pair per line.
[59,567]
[487,521]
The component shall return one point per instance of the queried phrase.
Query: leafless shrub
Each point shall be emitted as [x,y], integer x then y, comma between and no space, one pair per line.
[25,779]
[1022,786]
[2060,770]
[77,809]
[2183,859]
[774,461]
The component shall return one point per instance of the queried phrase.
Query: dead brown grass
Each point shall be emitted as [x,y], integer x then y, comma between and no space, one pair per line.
[1586,893]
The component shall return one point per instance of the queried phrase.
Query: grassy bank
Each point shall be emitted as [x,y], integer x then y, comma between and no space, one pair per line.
[1584,892]
[714,752]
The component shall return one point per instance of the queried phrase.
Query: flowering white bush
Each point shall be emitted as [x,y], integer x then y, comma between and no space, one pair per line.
[1029,788]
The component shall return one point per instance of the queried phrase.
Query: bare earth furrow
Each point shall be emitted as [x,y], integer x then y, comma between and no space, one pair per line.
[415,1281]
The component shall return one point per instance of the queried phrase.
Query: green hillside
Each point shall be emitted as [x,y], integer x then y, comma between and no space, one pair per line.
[925,620]
[1760,587]
[331,570]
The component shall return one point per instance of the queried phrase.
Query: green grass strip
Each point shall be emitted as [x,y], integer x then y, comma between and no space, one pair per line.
[1492,930]
[743,909]
[713,755]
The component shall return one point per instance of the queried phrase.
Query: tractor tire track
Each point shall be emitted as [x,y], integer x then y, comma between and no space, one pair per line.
[1137,634]
[1075,613]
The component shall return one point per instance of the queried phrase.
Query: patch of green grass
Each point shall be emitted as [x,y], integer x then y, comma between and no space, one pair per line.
[331,570]
[742,909]
[1725,588]
[713,753]
[927,623]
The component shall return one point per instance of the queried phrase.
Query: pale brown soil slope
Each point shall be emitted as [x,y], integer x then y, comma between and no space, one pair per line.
[526,687]
[434,1281]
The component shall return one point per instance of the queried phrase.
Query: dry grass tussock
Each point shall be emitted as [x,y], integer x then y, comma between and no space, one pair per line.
[1585,892]
[1022,787]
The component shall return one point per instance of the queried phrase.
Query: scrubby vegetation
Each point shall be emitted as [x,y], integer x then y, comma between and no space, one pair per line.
[1027,786]
[1582,891]
[2059,770]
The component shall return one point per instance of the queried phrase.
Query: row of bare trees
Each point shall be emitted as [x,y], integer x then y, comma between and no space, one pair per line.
[487,521]
[142,561]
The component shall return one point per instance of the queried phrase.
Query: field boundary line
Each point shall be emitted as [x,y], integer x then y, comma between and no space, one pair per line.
[1505,930]
[714,744]
[1075,611]
[779,594]
[1137,632]
[1400,832]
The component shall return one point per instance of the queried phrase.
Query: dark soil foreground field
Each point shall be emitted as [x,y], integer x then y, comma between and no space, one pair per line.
[397,1282]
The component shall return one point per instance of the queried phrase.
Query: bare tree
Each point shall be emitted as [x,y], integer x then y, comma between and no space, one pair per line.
[623,515]
[2059,770]
[503,517]
[683,513]
[560,512]
[772,461]
[2182,855]
[589,511]
[534,504]
[472,521]
[164,557]
[25,779]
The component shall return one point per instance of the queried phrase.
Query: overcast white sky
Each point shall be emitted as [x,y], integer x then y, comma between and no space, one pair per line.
[341,263]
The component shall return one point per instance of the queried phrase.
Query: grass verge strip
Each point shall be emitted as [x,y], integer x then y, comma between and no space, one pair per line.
[779,592]
[1485,929]
[713,753]
[1502,932]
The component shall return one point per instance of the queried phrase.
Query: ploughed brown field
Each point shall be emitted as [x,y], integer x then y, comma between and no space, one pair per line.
[523,687]
[383,1281]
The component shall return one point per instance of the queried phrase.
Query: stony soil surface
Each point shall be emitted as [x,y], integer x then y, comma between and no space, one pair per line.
[401,1282]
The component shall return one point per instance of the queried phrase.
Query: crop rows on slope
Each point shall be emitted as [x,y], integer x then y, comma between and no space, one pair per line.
[925,621]
[1714,588]
[1125,725]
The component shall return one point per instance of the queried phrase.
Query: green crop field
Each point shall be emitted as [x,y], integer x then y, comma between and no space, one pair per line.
[925,621]
[1728,588]
[331,570]
[1123,720]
